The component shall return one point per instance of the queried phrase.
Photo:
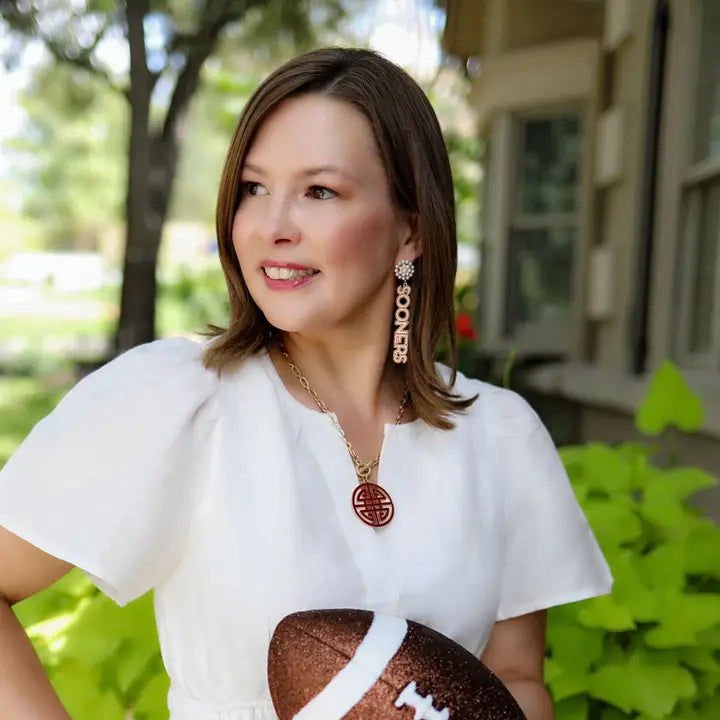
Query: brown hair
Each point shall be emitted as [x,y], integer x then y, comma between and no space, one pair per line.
[412,150]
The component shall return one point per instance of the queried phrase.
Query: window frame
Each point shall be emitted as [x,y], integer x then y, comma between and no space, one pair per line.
[697,175]
[548,336]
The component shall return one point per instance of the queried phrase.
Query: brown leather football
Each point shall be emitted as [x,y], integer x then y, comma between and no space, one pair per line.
[360,665]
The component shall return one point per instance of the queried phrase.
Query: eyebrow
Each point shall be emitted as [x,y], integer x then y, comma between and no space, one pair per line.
[309,172]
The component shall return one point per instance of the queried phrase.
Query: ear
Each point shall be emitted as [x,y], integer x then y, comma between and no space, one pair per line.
[411,245]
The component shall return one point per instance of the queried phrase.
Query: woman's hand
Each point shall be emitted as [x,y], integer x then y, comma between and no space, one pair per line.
[515,653]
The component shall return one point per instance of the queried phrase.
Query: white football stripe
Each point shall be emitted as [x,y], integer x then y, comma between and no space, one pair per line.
[346,689]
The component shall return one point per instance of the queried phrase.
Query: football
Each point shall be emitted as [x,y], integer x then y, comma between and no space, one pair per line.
[360,665]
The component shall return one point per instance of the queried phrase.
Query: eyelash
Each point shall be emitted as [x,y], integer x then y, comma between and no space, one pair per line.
[322,187]
[246,187]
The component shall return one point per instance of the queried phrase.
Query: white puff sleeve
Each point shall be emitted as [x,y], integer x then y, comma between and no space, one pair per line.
[108,479]
[551,555]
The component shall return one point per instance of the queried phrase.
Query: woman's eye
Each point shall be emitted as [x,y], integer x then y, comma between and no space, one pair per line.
[253,188]
[318,192]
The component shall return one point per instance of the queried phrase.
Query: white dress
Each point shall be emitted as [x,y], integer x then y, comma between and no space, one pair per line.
[233,501]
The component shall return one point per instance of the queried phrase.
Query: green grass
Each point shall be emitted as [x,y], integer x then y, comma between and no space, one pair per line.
[172,316]
[37,328]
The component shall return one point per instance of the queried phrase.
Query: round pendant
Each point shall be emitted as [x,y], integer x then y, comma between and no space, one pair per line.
[373,504]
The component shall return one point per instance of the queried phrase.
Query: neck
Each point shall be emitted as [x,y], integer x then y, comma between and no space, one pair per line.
[351,375]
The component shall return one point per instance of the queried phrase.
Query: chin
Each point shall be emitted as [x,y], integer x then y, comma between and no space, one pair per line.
[316,315]
[293,321]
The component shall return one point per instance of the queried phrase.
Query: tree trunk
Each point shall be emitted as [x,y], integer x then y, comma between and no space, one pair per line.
[137,302]
[153,159]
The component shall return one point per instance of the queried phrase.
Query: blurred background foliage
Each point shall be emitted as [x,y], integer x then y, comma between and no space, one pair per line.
[83,164]
[651,649]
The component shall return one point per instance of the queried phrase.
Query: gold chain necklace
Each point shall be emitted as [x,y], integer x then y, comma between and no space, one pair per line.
[372,503]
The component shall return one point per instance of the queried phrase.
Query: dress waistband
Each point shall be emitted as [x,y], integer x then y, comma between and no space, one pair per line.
[183,707]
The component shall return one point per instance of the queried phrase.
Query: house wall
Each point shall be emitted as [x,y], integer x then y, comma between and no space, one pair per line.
[489,27]
[538,22]
[537,56]
[534,80]
[675,150]
[620,197]
[464,27]
[593,56]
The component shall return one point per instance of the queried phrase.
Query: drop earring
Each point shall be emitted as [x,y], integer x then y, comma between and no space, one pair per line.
[404,270]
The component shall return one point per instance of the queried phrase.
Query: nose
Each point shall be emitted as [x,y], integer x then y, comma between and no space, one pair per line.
[279,225]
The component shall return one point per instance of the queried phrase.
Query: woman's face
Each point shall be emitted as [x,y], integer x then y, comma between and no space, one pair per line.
[316,234]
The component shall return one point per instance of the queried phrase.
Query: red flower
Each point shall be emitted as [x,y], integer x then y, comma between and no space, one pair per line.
[464,326]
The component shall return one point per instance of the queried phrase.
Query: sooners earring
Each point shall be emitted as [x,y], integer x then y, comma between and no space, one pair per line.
[404,270]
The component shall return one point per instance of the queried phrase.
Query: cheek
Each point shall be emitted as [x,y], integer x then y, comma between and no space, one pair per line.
[363,238]
[240,236]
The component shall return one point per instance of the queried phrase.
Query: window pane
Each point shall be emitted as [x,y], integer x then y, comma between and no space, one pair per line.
[704,271]
[540,276]
[707,128]
[550,165]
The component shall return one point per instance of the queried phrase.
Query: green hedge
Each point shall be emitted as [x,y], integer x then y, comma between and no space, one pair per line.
[649,650]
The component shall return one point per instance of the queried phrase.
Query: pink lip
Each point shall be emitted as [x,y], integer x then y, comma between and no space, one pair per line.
[288,284]
[280,264]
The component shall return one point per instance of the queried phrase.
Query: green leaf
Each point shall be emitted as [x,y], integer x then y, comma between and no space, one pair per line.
[709,708]
[629,589]
[94,636]
[681,483]
[618,647]
[604,612]
[152,703]
[700,658]
[136,621]
[50,634]
[606,469]
[131,663]
[636,451]
[682,617]
[685,711]
[614,521]
[702,549]
[663,568]
[573,458]
[653,690]
[662,502]
[573,646]
[573,708]
[45,605]
[563,679]
[76,584]
[669,402]
[79,690]
[709,683]
[610,713]
[568,683]
[710,638]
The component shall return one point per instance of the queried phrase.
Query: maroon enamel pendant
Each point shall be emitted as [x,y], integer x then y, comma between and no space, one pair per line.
[373,504]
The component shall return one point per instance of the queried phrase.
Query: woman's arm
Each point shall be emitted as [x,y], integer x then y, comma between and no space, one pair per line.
[25,691]
[515,653]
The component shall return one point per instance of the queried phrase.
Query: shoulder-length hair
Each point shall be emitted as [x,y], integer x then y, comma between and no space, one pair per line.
[411,147]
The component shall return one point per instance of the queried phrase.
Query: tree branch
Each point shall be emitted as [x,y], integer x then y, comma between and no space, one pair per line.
[200,45]
[25,22]
[82,61]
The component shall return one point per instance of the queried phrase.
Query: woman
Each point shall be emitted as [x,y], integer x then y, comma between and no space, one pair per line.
[312,455]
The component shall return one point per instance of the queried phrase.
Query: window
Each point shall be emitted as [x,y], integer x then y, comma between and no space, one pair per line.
[543,227]
[700,326]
